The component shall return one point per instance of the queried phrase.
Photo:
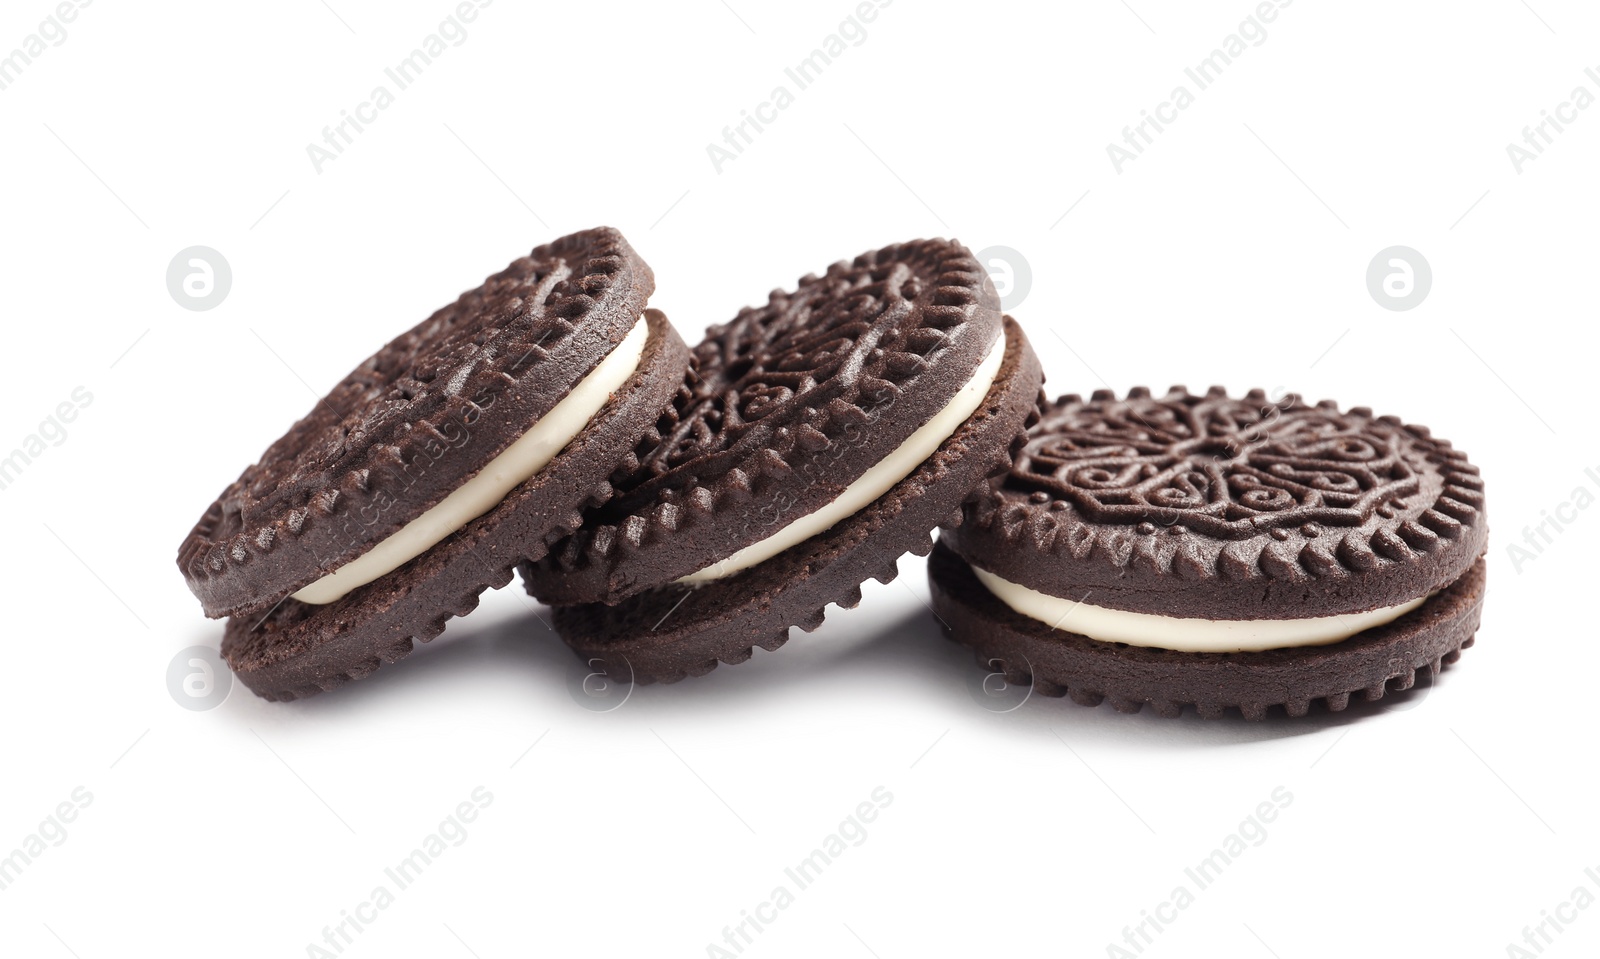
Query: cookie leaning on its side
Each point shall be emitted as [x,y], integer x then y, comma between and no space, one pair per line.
[1218,552]
[461,448]
[822,436]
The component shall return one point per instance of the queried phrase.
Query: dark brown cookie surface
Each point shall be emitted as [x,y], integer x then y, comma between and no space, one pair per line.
[1060,663]
[1209,506]
[790,403]
[411,422]
[668,633]
[298,649]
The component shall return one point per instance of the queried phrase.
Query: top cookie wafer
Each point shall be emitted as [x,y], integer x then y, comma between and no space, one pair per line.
[1228,508]
[790,403]
[404,428]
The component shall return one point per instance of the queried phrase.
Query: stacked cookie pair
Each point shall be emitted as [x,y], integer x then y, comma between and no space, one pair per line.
[679,508]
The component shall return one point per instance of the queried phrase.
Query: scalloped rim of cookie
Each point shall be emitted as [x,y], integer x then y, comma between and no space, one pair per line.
[232,577]
[602,548]
[1443,626]
[1151,565]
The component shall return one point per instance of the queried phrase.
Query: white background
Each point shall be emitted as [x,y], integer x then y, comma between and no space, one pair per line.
[1233,251]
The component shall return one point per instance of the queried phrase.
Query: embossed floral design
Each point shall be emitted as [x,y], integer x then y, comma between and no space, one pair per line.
[758,401]
[1222,467]
[783,358]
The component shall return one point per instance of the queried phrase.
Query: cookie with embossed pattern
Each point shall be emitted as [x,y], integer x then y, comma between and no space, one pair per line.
[820,437]
[462,447]
[1221,552]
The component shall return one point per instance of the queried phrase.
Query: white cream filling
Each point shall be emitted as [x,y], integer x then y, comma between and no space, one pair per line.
[526,456]
[874,482]
[1182,633]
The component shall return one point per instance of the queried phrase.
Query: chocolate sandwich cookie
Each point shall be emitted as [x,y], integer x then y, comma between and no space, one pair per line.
[818,439]
[1217,552]
[462,447]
